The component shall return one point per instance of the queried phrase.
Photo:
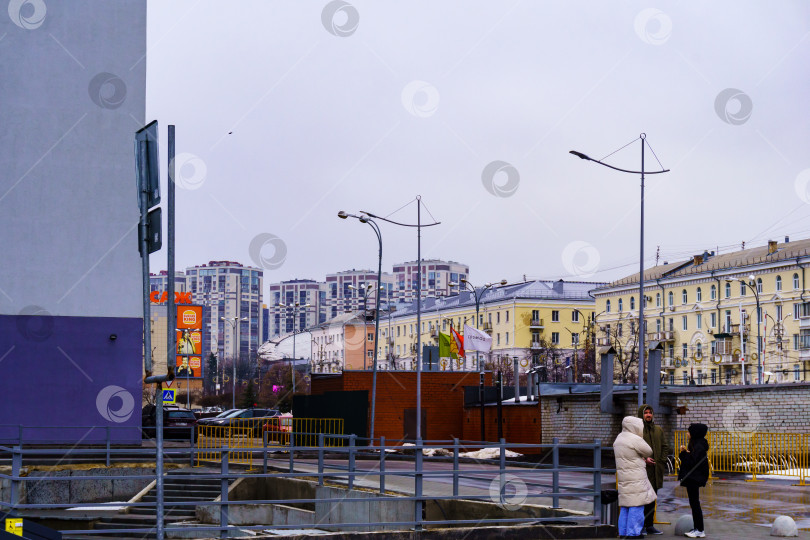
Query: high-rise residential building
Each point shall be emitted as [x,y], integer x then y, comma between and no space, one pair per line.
[439,278]
[160,281]
[232,294]
[353,290]
[303,307]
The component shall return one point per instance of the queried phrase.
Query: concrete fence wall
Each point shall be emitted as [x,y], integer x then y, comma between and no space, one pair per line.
[575,418]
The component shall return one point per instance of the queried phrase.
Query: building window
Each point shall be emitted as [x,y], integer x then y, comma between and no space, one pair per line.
[685,351]
[699,294]
[657,325]
[685,378]
[699,350]
[575,316]
[699,321]
[632,303]
[778,283]
[671,299]
[498,338]
[619,329]
[621,305]
[713,318]
[778,312]
[742,288]
[796,373]
[507,338]
[713,292]
[685,326]
[795,281]
[371,336]
[759,285]
[728,290]
[555,338]
[671,324]
[507,316]
[684,297]
[498,318]
[555,315]
[657,299]
[607,306]
[714,376]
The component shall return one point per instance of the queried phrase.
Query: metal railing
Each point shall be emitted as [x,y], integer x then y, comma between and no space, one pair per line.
[245,435]
[772,454]
[346,464]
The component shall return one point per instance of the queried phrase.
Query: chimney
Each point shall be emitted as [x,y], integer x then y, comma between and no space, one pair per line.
[558,286]
[771,247]
[697,260]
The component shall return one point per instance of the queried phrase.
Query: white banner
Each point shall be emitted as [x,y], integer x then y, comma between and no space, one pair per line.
[476,340]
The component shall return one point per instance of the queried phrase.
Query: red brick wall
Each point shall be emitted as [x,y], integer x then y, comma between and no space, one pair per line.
[521,424]
[442,399]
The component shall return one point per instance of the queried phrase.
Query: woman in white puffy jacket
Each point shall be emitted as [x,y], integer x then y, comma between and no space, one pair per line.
[631,474]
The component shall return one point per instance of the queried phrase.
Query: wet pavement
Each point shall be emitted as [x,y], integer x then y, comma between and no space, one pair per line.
[734,508]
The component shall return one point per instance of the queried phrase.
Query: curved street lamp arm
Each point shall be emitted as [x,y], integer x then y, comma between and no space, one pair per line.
[580,155]
[397,222]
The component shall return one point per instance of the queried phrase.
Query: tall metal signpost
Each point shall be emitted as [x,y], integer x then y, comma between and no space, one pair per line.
[147,171]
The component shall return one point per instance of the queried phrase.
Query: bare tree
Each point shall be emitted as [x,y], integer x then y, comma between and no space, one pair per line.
[625,342]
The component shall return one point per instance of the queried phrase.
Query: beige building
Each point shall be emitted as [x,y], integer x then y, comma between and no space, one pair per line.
[708,311]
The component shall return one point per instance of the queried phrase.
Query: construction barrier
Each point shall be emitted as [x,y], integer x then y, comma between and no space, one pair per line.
[245,436]
[776,454]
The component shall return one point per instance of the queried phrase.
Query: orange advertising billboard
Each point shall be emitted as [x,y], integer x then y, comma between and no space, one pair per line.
[189,317]
[189,341]
[189,366]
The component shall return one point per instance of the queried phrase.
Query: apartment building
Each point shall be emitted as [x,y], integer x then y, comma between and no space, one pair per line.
[721,318]
[439,278]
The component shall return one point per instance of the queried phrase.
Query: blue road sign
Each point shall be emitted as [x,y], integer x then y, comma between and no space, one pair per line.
[169,395]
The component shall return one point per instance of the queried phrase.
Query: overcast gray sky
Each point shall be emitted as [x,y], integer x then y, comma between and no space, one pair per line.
[288,112]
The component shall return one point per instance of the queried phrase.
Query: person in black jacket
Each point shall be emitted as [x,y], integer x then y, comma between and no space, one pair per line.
[694,473]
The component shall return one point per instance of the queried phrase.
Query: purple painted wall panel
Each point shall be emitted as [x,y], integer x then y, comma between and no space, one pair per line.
[66,380]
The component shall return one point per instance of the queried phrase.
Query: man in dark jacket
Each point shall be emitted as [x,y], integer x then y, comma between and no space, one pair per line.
[656,465]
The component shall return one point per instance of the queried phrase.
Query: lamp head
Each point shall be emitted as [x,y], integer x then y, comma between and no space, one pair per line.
[363,219]
[752,277]
[580,155]
[281,304]
[503,282]
[463,280]
[342,215]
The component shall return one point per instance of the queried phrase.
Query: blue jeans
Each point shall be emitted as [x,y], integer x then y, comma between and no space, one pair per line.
[631,520]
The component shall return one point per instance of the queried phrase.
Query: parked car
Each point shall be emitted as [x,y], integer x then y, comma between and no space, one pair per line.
[278,428]
[209,421]
[242,418]
[177,423]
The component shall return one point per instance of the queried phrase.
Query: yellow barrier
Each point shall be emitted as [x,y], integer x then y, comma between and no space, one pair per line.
[778,454]
[245,436]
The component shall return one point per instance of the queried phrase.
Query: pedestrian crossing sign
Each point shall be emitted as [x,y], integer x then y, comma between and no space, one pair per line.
[168,395]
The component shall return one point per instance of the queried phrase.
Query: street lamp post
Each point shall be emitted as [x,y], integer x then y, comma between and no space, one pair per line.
[418,227]
[751,284]
[232,321]
[642,172]
[366,219]
[295,308]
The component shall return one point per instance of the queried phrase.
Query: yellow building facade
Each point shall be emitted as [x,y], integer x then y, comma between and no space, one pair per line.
[707,313]
[529,320]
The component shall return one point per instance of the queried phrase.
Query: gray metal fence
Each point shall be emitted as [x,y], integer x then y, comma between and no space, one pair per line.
[379,474]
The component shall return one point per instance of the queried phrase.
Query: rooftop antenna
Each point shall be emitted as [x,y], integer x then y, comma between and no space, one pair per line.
[657,254]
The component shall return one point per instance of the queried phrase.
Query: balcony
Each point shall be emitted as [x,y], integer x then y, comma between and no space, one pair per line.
[603,342]
[487,327]
[726,358]
[668,363]
[434,333]
[536,323]
[732,329]
[661,336]
[537,345]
